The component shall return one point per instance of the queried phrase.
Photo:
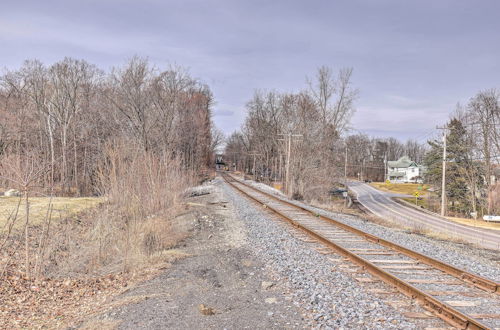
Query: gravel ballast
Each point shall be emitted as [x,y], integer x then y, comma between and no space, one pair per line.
[330,297]
[474,260]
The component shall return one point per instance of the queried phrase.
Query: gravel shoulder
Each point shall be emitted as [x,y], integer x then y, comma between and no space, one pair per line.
[219,285]
[484,262]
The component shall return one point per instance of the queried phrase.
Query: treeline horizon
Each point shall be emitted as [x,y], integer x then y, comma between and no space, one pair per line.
[303,139]
[58,121]
[311,126]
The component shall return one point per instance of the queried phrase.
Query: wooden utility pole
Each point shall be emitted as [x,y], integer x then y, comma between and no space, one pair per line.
[345,174]
[385,167]
[254,165]
[289,149]
[345,168]
[288,158]
[363,171]
[443,179]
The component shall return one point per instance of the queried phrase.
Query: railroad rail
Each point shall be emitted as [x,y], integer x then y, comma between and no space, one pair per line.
[412,273]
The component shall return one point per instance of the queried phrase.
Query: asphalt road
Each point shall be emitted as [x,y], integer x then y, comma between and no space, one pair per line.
[382,204]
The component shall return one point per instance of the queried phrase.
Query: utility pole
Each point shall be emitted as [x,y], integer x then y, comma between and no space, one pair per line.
[280,166]
[288,157]
[288,163]
[443,179]
[363,171]
[385,167]
[254,164]
[443,183]
[345,168]
[254,167]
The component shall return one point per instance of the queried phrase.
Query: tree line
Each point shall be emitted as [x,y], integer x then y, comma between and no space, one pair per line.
[472,157]
[302,139]
[57,120]
[294,136]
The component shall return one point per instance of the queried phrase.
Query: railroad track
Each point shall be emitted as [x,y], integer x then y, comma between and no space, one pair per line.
[462,299]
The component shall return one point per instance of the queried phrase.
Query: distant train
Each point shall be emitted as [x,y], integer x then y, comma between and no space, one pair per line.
[220,164]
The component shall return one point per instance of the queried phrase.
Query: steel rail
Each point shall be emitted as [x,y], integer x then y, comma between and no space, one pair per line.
[476,280]
[439,308]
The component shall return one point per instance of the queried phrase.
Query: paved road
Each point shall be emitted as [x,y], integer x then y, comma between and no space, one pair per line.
[381,204]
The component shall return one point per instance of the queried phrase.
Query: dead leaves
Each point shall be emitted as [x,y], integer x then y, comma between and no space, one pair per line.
[52,302]
[205,310]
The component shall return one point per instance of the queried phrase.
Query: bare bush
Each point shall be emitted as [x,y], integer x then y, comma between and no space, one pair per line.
[143,192]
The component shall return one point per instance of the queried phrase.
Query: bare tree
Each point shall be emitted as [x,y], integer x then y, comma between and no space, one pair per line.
[334,97]
[485,110]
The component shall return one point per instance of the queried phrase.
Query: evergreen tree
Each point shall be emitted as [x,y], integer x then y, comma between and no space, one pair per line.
[463,174]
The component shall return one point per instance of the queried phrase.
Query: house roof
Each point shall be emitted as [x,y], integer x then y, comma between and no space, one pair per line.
[402,162]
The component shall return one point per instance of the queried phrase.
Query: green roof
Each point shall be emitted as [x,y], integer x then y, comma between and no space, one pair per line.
[402,162]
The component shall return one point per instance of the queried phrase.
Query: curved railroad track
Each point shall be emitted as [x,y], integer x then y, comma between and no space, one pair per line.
[462,299]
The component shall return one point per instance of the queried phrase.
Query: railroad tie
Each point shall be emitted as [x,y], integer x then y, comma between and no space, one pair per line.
[416,315]
[366,280]
[406,267]
[387,261]
[461,303]
[427,281]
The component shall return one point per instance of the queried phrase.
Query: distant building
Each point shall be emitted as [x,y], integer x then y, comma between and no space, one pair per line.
[404,170]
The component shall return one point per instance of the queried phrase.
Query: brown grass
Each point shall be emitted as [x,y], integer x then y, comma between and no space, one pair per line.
[129,227]
[402,188]
[336,205]
[127,234]
[62,208]
[144,193]
[476,223]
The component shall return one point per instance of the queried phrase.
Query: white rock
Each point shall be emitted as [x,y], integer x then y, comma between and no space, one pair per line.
[12,193]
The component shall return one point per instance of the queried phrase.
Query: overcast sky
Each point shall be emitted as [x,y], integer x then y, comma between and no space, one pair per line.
[412,60]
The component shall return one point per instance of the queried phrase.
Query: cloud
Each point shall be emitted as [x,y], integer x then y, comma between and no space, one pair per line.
[412,61]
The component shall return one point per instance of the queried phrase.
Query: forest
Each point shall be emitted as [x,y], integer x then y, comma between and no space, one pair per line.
[134,138]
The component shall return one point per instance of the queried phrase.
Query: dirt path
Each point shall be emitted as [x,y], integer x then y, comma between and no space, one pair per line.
[221,285]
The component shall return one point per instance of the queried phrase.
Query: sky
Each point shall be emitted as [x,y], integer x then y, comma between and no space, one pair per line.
[412,61]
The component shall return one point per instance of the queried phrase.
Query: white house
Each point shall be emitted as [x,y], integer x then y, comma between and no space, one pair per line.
[404,170]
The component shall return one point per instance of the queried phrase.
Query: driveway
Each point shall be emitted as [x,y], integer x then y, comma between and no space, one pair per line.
[382,204]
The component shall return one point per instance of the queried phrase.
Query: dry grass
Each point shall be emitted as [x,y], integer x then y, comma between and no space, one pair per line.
[476,223]
[336,205]
[144,193]
[125,230]
[101,324]
[421,202]
[402,188]
[62,208]
[100,245]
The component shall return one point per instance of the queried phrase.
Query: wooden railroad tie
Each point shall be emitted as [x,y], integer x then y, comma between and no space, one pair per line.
[406,267]
[426,281]
[389,261]
[366,280]
[416,315]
